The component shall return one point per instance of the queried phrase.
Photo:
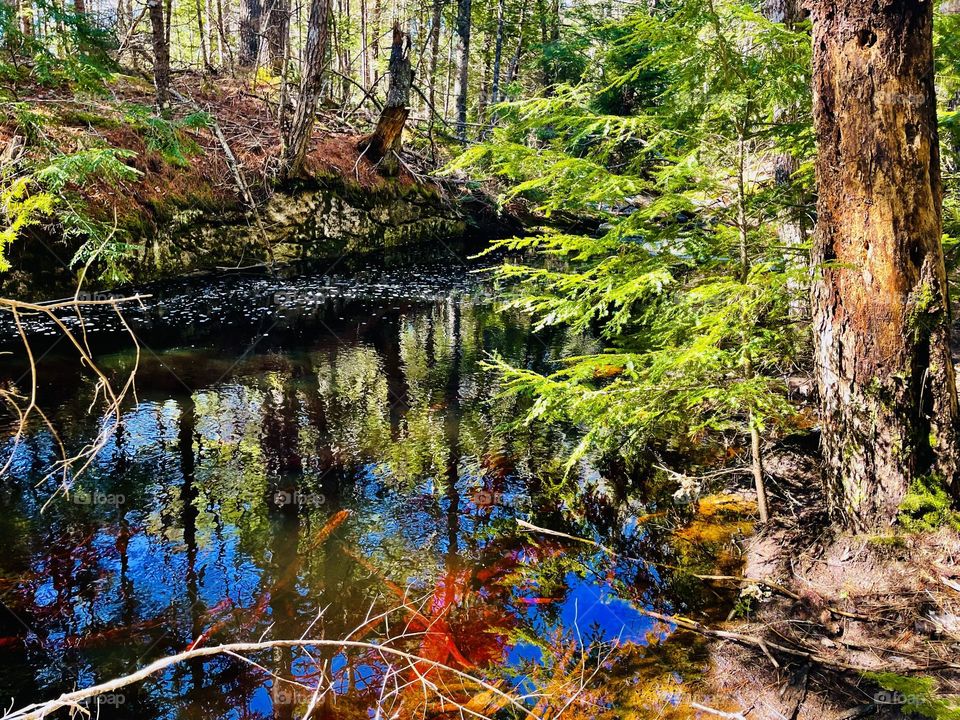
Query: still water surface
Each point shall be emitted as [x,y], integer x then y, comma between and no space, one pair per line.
[307,453]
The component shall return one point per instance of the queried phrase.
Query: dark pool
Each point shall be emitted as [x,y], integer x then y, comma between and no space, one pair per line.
[304,454]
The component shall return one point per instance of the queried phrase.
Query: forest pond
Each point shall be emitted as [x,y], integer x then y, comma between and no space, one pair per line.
[307,453]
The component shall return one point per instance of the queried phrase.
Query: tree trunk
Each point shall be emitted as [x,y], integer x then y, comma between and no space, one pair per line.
[463,61]
[250,12]
[375,39]
[381,146]
[80,7]
[297,141]
[161,53]
[204,37]
[25,9]
[881,314]
[435,19]
[364,44]
[498,52]
[276,34]
[514,66]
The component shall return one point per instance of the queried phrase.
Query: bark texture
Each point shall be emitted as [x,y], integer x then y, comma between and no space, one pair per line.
[297,139]
[881,315]
[161,53]
[385,141]
[250,14]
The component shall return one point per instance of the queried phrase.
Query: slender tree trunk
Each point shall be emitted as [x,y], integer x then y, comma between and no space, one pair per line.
[514,67]
[250,15]
[881,315]
[436,17]
[224,52]
[161,53]
[385,142]
[375,31]
[297,142]
[208,24]
[449,83]
[498,51]
[743,232]
[204,38]
[463,66]
[365,45]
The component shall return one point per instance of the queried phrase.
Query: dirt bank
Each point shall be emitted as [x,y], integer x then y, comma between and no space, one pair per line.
[206,192]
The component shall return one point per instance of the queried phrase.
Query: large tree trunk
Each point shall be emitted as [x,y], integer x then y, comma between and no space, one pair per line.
[384,143]
[881,315]
[161,53]
[250,12]
[297,140]
[463,67]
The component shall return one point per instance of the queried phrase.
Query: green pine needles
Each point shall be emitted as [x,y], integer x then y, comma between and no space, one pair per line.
[689,277]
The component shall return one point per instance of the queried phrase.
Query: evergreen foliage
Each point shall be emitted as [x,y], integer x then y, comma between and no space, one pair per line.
[684,278]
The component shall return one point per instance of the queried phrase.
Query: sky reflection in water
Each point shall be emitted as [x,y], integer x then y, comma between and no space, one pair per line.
[305,444]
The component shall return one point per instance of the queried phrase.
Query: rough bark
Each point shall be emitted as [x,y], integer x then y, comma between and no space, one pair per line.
[250,15]
[297,140]
[385,141]
[881,315]
[161,53]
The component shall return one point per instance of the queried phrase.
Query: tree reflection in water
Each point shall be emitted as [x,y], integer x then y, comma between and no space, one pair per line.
[359,459]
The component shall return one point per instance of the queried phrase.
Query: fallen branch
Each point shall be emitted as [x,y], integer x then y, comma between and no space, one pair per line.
[37,711]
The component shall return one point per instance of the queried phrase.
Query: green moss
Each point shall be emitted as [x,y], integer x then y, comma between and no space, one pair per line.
[927,506]
[893,541]
[920,317]
[80,118]
[914,695]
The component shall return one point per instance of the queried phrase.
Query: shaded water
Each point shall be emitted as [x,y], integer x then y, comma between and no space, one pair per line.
[323,444]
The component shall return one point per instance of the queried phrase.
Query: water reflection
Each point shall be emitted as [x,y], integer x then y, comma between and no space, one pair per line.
[348,455]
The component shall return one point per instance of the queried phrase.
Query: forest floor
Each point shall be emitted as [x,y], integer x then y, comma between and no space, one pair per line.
[181,160]
[841,625]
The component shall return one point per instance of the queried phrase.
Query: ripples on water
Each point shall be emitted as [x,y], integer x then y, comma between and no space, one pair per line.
[316,442]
